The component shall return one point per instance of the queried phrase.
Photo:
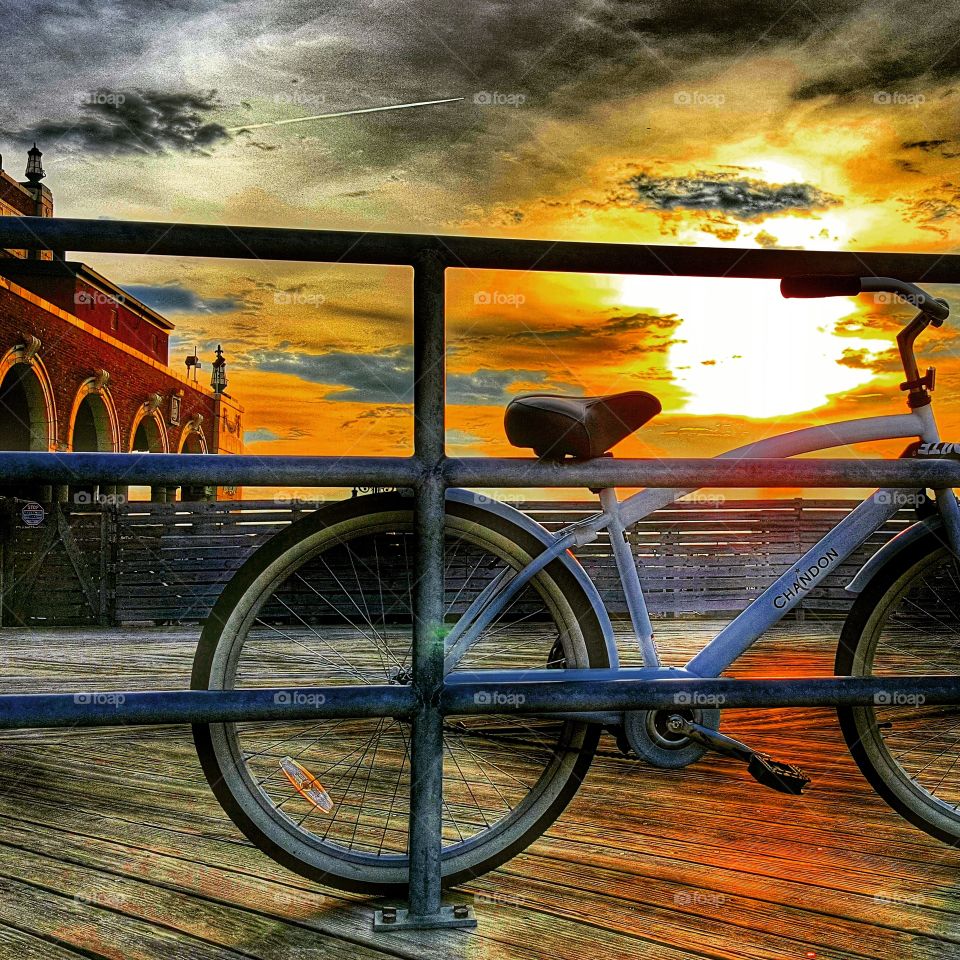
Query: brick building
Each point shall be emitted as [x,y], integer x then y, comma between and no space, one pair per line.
[84,366]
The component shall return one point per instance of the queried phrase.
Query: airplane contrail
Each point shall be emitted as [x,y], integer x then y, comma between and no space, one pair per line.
[341,113]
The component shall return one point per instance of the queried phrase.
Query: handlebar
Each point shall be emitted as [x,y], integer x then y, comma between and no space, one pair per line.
[932,313]
[825,286]
[847,286]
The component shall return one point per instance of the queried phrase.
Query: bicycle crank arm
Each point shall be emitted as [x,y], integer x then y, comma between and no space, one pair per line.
[783,777]
[711,739]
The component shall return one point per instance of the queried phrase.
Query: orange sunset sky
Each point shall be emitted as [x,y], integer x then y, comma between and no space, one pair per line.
[819,126]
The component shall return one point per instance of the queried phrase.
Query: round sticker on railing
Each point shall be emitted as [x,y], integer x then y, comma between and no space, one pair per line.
[33,514]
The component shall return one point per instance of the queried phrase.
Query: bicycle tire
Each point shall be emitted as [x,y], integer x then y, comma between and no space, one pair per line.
[248,592]
[901,616]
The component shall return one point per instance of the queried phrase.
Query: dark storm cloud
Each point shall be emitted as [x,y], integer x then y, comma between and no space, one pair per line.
[514,63]
[174,298]
[946,148]
[132,122]
[557,46]
[891,47]
[562,57]
[387,376]
[733,195]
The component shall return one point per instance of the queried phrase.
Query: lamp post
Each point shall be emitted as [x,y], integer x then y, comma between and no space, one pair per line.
[35,174]
[34,167]
[218,379]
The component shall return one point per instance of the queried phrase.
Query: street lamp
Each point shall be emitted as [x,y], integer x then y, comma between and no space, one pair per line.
[34,167]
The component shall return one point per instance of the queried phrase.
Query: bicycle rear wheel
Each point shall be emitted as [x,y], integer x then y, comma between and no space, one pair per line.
[907,622]
[329,602]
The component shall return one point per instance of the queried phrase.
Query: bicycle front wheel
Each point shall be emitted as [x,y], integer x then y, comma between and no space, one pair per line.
[328,602]
[907,622]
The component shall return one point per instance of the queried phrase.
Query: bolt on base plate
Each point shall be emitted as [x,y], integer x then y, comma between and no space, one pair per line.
[400,918]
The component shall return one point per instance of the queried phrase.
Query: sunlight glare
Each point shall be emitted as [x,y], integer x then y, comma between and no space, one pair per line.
[742,350]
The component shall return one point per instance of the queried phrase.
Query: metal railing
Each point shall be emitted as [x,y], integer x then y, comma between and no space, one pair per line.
[429,472]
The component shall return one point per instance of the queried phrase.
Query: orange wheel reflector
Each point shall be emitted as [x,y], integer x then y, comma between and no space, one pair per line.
[306,784]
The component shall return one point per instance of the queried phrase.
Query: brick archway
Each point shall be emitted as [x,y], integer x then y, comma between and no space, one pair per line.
[94,424]
[192,440]
[148,433]
[27,401]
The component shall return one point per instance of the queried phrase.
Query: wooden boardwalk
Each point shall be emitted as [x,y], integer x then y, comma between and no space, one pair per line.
[111,844]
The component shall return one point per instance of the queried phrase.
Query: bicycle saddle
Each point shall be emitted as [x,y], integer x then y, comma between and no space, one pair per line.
[556,426]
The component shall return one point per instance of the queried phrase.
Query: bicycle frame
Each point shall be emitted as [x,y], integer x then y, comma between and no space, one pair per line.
[764,611]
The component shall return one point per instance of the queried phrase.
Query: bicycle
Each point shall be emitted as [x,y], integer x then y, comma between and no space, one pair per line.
[328,601]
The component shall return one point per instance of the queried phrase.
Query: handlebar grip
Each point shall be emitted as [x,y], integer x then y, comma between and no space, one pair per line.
[821,286]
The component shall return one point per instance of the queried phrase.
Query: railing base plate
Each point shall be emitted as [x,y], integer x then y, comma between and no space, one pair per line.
[400,918]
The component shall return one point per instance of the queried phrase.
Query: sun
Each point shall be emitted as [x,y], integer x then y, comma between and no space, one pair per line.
[776,170]
[742,350]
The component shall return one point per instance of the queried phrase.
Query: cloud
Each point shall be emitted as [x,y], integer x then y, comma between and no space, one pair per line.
[653,324]
[863,359]
[175,298]
[935,208]
[399,315]
[486,387]
[387,377]
[260,435]
[463,438]
[138,121]
[940,147]
[284,59]
[384,377]
[260,145]
[266,435]
[727,193]
[574,349]
[382,412]
[887,49]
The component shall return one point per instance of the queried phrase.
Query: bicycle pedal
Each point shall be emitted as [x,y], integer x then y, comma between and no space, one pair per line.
[784,777]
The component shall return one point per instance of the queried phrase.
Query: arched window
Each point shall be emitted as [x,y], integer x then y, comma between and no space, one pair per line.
[28,417]
[192,440]
[93,422]
[93,429]
[27,412]
[149,435]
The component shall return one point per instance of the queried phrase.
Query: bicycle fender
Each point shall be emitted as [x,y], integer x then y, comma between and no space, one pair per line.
[892,549]
[529,525]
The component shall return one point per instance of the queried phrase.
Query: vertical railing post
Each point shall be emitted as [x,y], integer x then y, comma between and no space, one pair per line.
[426,909]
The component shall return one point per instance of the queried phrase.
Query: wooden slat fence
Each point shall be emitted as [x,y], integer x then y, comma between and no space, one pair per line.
[712,557]
[168,562]
[60,572]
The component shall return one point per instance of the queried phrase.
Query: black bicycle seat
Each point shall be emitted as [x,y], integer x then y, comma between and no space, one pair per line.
[556,426]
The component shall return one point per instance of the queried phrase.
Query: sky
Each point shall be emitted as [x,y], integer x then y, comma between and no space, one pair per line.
[803,125]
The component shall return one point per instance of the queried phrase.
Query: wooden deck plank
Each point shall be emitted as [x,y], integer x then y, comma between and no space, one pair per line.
[131,856]
[26,946]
